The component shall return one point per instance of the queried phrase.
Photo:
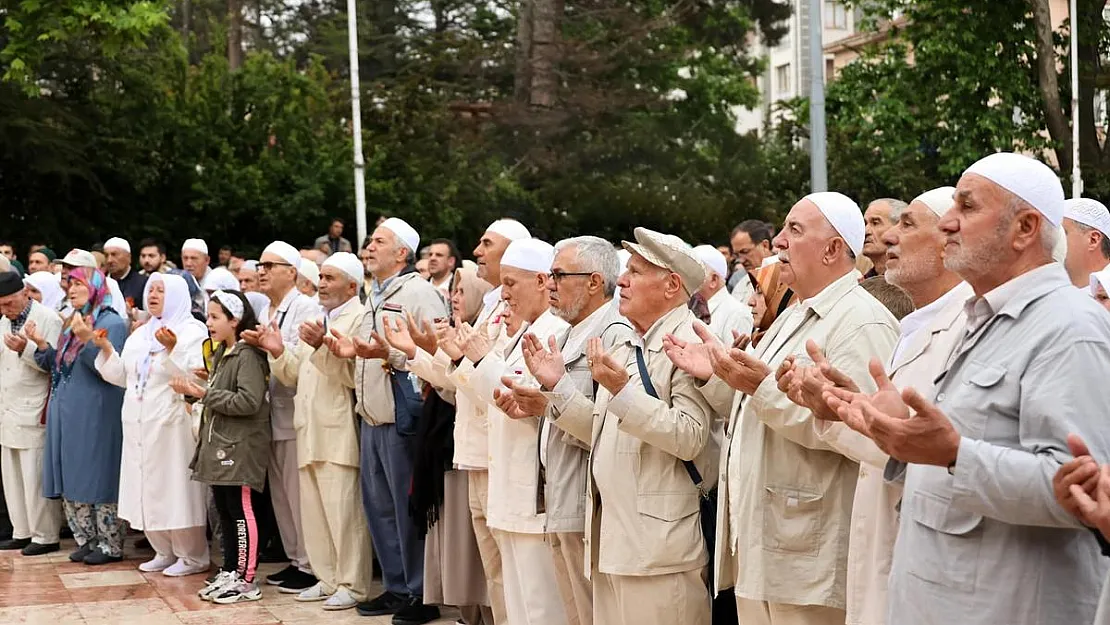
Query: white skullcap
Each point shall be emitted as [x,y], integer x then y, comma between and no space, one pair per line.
[938,200]
[196,245]
[1090,213]
[311,272]
[844,215]
[713,259]
[405,233]
[349,264]
[511,229]
[249,265]
[469,264]
[284,251]
[529,255]
[118,243]
[1027,178]
[1100,277]
[220,279]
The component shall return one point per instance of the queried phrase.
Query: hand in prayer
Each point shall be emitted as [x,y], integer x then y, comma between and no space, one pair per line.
[267,338]
[80,328]
[424,334]
[398,335]
[312,332]
[15,342]
[806,385]
[166,337]
[1083,471]
[447,338]
[693,358]
[736,367]
[188,388]
[376,347]
[339,345]
[201,373]
[31,331]
[546,365]
[884,417]
[522,401]
[475,342]
[604,368]
[100,339]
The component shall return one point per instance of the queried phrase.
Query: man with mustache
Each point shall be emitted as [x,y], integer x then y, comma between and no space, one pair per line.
[881,214]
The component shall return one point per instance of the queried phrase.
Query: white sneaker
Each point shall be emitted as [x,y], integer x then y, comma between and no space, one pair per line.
[159,563]
[316,593]
[341,600]
[210,591]
[181,568]
[238,590]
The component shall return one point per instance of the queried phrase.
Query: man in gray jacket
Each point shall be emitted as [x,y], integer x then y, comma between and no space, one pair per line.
[982,539]
[386,460]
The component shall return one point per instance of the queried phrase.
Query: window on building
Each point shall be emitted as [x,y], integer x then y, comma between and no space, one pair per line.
[782,79]
[836,15]
[830,70]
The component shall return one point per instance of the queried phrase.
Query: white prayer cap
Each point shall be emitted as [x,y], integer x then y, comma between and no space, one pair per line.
[469,264]
[1100,277]
[511,229]
[249,265]
[1027,178]
[938,200]
[405,233]
[713,259]
[196,245]
[220,279]
[671,253]
[349,264]
[311,272]
[844,215]
[1090,213]
[529,255]
[117,243]
[284,251]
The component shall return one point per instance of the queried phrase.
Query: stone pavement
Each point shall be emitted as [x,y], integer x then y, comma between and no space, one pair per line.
[51,590]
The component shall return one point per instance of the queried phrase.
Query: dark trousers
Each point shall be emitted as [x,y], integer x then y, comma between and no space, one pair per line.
[386,474]
[236,506]
[5,520]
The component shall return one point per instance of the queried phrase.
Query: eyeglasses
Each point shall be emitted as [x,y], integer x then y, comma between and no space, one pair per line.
[269,265]
[558,276]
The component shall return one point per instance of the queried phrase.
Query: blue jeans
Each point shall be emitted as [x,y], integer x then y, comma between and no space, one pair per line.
[385,473]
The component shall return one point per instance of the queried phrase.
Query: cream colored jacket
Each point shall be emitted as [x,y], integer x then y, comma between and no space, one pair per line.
[24,387]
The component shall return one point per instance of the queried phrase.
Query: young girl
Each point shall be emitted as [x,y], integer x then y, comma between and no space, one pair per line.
[234,443]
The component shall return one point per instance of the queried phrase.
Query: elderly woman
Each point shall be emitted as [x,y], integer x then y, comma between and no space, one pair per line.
[83,429]
[156,494]
[45,288]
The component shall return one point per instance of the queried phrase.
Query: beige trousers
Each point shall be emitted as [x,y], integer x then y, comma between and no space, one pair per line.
[337,541]
[531,593]
[32,515]
[671,599]
[764,613]
[569,551]
[189,544]
[487,546]
[285,493]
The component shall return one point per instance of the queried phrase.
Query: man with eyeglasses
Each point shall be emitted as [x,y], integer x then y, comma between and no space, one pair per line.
[288,308]
[580,288]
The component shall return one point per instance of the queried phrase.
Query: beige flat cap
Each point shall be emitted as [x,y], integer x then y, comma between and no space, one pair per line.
[671,253]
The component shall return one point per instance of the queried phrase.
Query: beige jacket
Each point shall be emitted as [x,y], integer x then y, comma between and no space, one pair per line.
[404,293]
[324,419]
[785,496]
[875,507]
[295,308]
[642,517]
[24,387]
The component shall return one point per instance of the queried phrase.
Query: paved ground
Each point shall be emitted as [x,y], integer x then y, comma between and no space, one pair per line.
[51,590]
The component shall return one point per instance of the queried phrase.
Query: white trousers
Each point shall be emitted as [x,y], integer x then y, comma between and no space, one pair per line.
[33,516]
[532,594]
[285,494]
[189,544]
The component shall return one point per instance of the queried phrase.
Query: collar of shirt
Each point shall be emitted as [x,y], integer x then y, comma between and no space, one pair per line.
[124,276]
[334,313]
[490,299]
[652,340]
[377,289]
[17,323]
[823,302]
[1011,297]
[287,301]
[921,319]
[588,328]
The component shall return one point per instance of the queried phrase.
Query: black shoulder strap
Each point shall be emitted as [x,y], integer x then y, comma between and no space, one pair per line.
[645,379]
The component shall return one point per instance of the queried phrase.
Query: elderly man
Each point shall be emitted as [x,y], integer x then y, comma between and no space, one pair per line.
[516,478]
[915,263]
[288,309]
[381,380]
[581,285]
[880,215]
[785,495]
[327,438]
[248,277]
[24,388]
[117,251]
[982,539]
[726,313]
[1087,231]
[195,260]
[650,445]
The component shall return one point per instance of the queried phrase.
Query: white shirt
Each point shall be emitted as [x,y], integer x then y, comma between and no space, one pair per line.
[727,314]
[919,319]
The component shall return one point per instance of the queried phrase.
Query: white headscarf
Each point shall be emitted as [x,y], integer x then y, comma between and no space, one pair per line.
[176,311]
[48,284]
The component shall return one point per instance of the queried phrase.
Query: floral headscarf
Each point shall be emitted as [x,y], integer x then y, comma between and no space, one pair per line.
[100,301]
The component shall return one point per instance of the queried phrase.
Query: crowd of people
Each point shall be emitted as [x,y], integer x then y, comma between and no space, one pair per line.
[865,417]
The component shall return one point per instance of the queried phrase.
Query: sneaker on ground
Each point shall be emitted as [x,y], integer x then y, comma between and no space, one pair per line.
[416,613]
[341,600]
[277,578]
[181,568]
[297,582]
[238,590]
[213,588]
[316,593]
[385,603]
[157,564]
